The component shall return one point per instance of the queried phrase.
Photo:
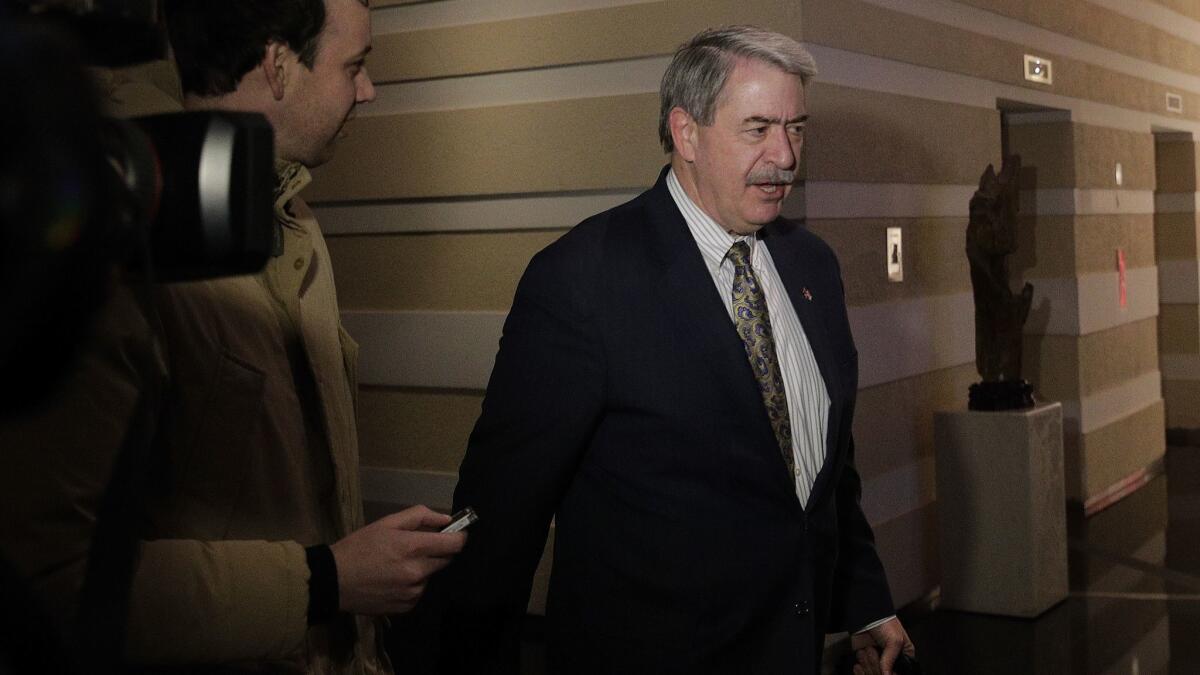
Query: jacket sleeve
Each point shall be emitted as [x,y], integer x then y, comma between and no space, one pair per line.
[191,601]
[543,401]
[860,592]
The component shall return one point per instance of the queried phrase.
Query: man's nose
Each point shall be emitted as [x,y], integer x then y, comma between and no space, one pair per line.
[780,152]
[366,88]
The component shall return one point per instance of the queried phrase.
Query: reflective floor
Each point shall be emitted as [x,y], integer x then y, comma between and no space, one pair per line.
[1134,606]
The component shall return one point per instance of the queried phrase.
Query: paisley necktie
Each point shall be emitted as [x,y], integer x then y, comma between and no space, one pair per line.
[754,327]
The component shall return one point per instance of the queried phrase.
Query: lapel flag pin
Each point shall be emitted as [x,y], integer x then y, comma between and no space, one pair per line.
[807,295]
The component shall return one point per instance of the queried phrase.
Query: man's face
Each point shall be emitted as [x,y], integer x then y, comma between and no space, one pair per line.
[744,162]
[321,100]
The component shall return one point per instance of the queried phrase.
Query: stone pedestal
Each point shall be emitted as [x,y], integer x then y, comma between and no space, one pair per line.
[1002,510]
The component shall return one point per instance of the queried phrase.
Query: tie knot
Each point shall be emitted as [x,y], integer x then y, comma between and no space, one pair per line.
[739,254]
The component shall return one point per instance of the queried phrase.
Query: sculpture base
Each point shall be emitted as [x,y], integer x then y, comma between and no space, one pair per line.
[1002,510]
[1006,395]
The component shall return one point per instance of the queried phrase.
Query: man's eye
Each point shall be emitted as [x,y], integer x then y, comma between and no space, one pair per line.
[757,131]
[796,130]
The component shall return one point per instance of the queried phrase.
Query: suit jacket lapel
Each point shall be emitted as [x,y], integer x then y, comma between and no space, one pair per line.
[689,297]
[794,270]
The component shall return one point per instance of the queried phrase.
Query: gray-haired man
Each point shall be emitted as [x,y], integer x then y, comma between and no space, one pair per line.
[675,385]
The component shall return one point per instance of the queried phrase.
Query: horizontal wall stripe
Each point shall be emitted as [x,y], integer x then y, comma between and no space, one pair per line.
[1089,303]
[407,487]
[831,199]
[1183,412]
[1036,38]
[391,18]
[505,150]
[372,163]
[1181,367]
[863,71]
[606,33]
[934,262]
[1095,240]
[1065,202]
[447,272]
[899,491]
[1178,328]
[978,91]
[635,76]
[1099,293]
[1156,15]
[873,73]
[1177,202]
[816,200]
[1096,202]
[457,349]
[892,422]
[551,212]
[860,136]
[1178,282]
[415,428]
[1176,236]
[1110,405]
[870,29]
[1181,8]
[453,350]
[902,339]
[1091,356]
[1114,453]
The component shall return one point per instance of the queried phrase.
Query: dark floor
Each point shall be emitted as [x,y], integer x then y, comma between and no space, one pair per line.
[1134,607]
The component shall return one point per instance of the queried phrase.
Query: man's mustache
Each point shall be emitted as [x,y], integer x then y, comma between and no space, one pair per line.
[772,176]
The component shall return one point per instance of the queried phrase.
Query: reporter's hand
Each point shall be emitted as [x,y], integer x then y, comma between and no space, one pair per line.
[891,638]
[383,568]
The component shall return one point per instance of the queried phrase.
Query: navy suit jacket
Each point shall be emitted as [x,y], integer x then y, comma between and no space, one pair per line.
[622,404]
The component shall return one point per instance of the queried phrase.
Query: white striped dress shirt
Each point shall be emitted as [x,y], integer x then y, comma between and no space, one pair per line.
[807,397]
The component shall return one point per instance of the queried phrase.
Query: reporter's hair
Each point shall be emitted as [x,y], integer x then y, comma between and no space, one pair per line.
[216,43]
[697,74]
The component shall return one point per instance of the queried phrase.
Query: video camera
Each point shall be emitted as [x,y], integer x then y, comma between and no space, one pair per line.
[165,198]
[88,200]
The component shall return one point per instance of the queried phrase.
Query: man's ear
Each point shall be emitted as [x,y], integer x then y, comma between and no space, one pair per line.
[276,67]
[683,133]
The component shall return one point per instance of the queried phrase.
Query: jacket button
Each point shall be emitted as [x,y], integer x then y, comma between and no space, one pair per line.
[802,608]
[299,263]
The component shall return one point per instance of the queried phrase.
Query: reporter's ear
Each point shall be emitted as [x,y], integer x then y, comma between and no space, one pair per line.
[276,67]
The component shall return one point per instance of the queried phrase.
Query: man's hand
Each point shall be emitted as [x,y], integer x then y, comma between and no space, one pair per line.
[891,638]
[383,568]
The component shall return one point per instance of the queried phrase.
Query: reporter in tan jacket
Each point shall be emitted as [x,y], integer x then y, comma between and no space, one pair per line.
[254,523]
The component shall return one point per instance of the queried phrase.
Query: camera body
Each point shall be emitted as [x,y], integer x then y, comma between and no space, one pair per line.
[86,198]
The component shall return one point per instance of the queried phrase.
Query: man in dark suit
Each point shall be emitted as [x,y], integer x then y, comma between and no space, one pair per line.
[675,386]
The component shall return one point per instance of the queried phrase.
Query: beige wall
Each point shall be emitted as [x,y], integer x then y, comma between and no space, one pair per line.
[1113,425]
[1176,239]
[502,123]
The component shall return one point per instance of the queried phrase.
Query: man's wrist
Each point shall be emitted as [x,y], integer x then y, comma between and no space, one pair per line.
[323,595]
[874,625]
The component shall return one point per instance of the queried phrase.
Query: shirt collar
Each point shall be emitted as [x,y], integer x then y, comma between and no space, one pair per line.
[290,179]
[711,238]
